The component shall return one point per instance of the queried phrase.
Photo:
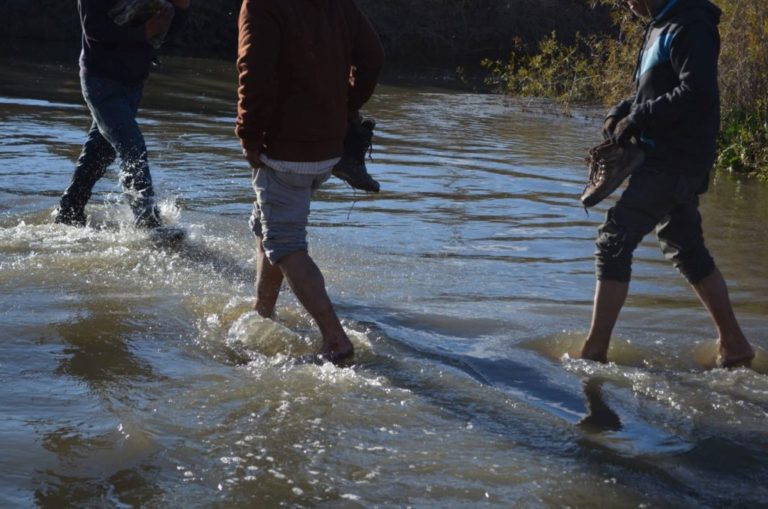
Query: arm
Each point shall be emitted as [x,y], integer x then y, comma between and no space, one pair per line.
[367,59]
[614,116]
[693,55]
[181,8]
[621,110]
[259,49]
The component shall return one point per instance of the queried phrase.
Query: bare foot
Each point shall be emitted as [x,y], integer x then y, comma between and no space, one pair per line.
[735,356]
[320,358]
[740,360]
[338,351]
[592,353]
[264,311]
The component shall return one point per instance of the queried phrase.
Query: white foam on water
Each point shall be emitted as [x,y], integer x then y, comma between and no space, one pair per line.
[170,212]
[267,337]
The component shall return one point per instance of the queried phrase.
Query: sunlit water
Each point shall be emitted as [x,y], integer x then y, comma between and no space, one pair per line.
[464,285]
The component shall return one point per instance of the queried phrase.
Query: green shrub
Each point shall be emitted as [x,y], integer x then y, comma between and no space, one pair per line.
[597,68]
[744,88]
[744,142]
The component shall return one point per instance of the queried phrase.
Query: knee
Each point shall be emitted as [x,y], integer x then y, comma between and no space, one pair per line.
[97,155]
[279,242]
[613,256]
[693,262]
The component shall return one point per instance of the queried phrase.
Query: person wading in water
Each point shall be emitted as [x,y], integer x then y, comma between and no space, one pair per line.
[296,100]
[114,64]
[675,114]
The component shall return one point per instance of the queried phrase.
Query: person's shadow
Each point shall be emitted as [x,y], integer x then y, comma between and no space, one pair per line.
[599,416]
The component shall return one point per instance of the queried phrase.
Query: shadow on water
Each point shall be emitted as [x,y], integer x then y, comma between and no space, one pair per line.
[134,486]
[98,353]
[96,465]
[220,263]
[478,244]
[600,417]
[618,440]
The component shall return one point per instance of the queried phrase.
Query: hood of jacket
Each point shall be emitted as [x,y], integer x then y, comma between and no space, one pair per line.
[675,7]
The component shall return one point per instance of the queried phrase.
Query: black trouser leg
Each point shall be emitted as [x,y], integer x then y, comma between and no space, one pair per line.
[96,156]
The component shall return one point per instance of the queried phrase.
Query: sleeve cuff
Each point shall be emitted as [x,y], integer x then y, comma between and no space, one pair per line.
[621,110]
[252,144]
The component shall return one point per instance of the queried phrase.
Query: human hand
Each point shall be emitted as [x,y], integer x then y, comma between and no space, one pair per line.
[624,131]
[609,126]
[158,25]
[253,158]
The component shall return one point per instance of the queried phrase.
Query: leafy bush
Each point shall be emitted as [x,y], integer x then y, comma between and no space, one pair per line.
[744,86]
[744,142]
[597,68]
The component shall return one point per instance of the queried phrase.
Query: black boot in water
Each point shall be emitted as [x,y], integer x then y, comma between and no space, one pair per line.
[69,217]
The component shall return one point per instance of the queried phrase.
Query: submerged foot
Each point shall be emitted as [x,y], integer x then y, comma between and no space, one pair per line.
[340,353]
[735,361]
[735,357]
[590,353]
[338,358]
[147,218]
[595,349]
[264,310]
[69,217]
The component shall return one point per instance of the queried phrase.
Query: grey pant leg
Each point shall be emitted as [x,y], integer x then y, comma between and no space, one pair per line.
[281,212]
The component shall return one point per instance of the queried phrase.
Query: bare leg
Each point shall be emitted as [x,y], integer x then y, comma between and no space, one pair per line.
[269,278]
[609,299]
[308,284]
[734,347]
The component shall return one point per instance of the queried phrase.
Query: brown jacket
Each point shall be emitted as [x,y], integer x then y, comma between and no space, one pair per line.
[294,62]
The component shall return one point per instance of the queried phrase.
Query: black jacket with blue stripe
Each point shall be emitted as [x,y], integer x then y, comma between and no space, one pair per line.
[677,102]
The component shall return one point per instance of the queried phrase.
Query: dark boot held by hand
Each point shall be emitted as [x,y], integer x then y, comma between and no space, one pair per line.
[357,143]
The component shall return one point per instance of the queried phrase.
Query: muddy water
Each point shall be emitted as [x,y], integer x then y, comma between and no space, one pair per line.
[464,284]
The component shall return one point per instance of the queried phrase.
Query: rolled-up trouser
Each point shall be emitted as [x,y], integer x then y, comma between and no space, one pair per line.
[113,132]
[281,210]
[668,203]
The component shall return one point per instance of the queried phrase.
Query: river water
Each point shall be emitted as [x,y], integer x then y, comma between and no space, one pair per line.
[464,285]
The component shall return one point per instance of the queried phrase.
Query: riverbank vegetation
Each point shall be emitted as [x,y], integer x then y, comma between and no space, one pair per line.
[430,33]
[573,51]
[598,67]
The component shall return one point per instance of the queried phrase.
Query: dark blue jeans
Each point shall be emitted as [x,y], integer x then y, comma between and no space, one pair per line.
[113,133]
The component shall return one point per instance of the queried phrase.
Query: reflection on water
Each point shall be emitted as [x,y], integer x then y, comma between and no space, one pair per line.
[135,375]
[599,416]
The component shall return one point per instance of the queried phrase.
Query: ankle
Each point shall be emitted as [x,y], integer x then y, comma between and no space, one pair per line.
[595,349]
[338,344]
[734,345]
[263,310]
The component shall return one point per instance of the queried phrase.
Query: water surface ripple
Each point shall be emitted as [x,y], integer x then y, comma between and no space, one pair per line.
[464,285]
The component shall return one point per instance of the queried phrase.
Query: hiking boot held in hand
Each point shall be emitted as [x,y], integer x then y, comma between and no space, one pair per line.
[357,143]
[609,165]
